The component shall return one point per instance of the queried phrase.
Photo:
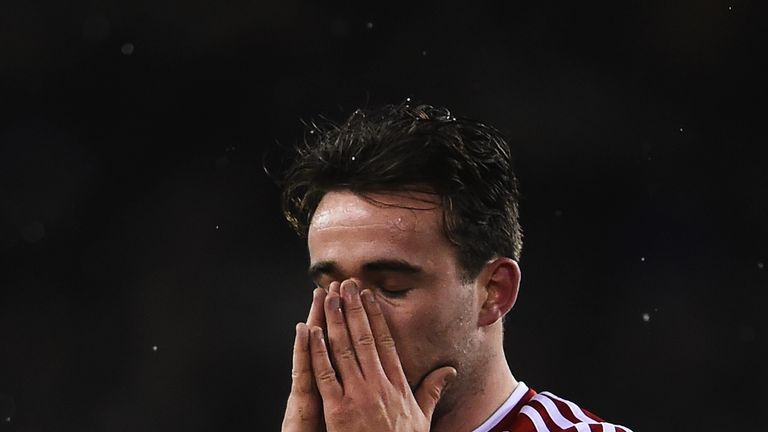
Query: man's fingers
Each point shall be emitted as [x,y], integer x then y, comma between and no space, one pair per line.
[360,330]
[316,316]
[344,355]
[325,375]
[335,287]
[432,388]
[303,381]
[385,344]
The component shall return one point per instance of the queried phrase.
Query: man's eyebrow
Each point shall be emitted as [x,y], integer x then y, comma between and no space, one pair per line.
[393,265]
[320,268]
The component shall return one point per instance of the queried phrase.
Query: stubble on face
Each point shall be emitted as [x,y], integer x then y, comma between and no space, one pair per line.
[468,356]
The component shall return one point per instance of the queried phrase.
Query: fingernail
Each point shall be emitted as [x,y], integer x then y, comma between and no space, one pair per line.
[449,378]
[334,286]
[334,301]
[351,289]
[368,296]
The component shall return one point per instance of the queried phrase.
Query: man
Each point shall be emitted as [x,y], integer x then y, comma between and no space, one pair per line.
[411,220]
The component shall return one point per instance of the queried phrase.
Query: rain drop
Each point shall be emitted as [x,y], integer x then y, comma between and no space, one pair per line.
[353,158]
[154,347]
[127,49]
[642,259]
[646,317]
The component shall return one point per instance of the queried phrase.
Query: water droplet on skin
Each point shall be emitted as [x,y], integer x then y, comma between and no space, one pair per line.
[646,317]
[127,49]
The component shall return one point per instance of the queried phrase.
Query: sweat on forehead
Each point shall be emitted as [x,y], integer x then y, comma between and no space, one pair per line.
[401,211]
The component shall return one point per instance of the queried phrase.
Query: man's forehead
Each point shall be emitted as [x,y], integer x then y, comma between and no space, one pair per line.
[404,211]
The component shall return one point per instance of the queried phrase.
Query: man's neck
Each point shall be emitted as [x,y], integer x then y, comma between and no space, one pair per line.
[473,408]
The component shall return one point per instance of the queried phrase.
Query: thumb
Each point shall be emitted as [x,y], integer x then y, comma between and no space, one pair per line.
[431,389]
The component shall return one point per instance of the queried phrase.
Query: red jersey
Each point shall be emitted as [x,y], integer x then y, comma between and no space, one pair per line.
[528,411]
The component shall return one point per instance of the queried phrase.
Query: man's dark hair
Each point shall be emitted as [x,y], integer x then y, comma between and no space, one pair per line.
[423,148]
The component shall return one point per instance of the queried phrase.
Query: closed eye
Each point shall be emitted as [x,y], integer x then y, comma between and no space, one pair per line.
[393,294]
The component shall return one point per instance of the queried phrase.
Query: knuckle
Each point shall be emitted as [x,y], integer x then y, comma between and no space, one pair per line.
[366,340]
[346,353]
[434,393]
[326,375]
[354,307]
[387,342]
[297,374]
[301,383]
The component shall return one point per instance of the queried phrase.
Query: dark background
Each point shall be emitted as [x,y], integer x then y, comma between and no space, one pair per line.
[149,283]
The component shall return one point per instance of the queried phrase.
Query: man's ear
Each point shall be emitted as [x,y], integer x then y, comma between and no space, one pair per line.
[499,283]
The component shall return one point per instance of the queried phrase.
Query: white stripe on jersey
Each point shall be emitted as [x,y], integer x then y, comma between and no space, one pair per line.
[582,427]
[579,414]
[553,412]
[535,417]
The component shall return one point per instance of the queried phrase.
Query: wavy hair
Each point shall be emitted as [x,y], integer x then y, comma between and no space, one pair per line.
[423,148]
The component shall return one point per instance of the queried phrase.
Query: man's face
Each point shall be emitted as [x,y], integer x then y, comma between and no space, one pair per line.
[401,253]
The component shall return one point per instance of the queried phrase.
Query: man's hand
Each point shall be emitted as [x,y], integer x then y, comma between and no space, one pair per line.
[304,412]
[366,389]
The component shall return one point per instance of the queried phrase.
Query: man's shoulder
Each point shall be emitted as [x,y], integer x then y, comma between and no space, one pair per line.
[545,412]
